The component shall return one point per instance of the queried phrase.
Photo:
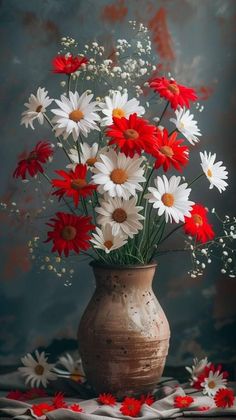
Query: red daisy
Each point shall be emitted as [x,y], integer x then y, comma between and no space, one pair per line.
[32,162]
[176,94]
[16,395]
[183,402]
[197,224]
[33,393]
[147,399]
[69,233]
[130,407]
[107,399]
[131,135]
[74,184]
[58,400]
[67,64]
[224,398]
[76,408]
[42,408]
[169,151]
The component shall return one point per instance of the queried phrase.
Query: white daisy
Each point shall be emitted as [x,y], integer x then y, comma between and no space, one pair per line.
[75,115]
[37,371]
[73,368]
[185,123]
[88,155]
[170,198]
[197,368]
[215,172]
[123,215]
[104,239]
[119,106]
[36,107]
[213,383]
[118,175]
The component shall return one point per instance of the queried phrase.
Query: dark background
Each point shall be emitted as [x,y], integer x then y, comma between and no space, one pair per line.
[195,40]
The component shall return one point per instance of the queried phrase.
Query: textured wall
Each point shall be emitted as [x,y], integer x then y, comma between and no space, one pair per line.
[193,39]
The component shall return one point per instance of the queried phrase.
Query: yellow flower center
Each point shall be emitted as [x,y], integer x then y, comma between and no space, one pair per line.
[91,161]
[197,219]
[108,244]
[167,151]
[181,124]
[209,173]
[39,108]
[76,115]
[119,176]
[119,215]
[39,369]
[78,184]
[173,88]
[211,384]
[168,199]
[131,134]
[118,113]
[68,233]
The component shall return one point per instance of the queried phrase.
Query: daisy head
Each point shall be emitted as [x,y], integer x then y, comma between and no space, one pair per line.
[186,125]
[215,172]
[118,175]
[71,368]
[122,215]
[118,105]
[105,240]
[170,198]
[76,115]
[213,383]
[37,370]
[36,107]
[87,156]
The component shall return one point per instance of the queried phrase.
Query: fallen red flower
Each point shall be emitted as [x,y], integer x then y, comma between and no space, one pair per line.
[204,408]
[67,64]
[58,400]
[183,402]
[76,408]
[34,393]
[224,398]
[16,395]
[176,94]
[42,408]
[32,162]
[197,224]
[107,399]
[130,407]
[147,399]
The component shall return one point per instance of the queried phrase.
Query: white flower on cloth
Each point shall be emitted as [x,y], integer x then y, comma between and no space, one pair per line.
[123,215]
[213,383]
[119,106]
[215,172]
[37,370]
[88,155]
[197,368]
[105,240]
[73,368]
[118,175]
[185,123]
[36,107]
[170,198]
[76,115]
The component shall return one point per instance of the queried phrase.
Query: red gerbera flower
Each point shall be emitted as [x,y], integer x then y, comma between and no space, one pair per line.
[197,224]
[107,399]
[131,135]
[67,64]
[169,151]
[176,94]
[32,162]
[183,402]
[76,408]
[147,399]
[74,184]
[58,400]
[33,393]
[16,395]
[69,233]
[130,407]
[42,408]
[224,398]
[204,408]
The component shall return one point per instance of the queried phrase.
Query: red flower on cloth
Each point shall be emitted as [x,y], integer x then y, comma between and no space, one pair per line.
[16,395]
[32,162]
[176,94]
[70,233]
[147,399]
[183,402]
[35,393]
[107,399]
[76,408]
[74,184]
[197,225]
[224,398]
[168,151]
[42,408]
[204,408]
[130,407]
[67,64]
[131,135]
[58,400]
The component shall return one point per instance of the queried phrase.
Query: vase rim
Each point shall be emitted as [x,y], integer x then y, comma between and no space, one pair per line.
[122,267]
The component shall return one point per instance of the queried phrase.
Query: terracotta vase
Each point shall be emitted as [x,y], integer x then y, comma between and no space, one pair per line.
[123,334]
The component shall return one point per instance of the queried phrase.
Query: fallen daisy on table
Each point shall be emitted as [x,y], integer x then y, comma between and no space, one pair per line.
[37,370]
[213,383]
[73,369]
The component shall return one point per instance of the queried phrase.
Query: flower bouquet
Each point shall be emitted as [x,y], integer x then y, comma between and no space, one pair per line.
[126,134]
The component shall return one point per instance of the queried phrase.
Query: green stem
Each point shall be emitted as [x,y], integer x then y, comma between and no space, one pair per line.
[171,233]
[195,179]
[146,185]
[68,84]
[163,113]
[57,137]
[63,198]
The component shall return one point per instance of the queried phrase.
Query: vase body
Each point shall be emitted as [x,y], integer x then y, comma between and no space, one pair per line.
[123,334]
